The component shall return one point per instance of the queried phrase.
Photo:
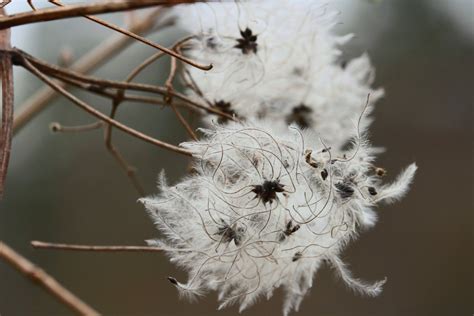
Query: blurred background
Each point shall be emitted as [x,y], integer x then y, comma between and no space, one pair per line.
[67,188]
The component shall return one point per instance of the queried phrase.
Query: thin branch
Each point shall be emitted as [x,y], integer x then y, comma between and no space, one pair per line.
[125,97]
[129,170]
[104,52]
[47,245]
[41,278]
[147,62]
[183,121]
[60,73]
[143,65]
[143,40]
[6,132]
[100,115]
[56,127]
[155,101]
[117,99]
[169,86]
[50,14]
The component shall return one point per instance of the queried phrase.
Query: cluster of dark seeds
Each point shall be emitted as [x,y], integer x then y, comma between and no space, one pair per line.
[297,256]
[248,42]
[324,174]
[289,230]
[267,191]
[230,234]
[300,115]
[224,107]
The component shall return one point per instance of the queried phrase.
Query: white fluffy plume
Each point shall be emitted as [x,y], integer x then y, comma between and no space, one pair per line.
[277,60]
[275,194]
[263,209]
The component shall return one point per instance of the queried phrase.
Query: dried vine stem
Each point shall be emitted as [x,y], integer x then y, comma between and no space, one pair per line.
[57,127]
[129,169]
[117,100]
[6,253]
[40,277]
[169,87]
[51,14]
[104,52]
[98,83]
[98,114]
[142,39]
[6,73]
[46,245]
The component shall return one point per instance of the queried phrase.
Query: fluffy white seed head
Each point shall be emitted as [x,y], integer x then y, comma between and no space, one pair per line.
[274,195]
[264,209]
[277,60]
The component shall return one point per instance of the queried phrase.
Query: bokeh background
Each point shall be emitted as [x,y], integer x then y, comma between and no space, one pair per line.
[67,188]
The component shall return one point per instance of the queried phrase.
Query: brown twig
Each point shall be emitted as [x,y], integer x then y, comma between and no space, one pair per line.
[41,278]
[168,99]
[61,73]
[117,99]
[126,97]
[147,62]
[104,52]
[50,14]
[98,114]
[129,169]
[142,39]
[56,127]
[6,73]
[47,245]
[156,101]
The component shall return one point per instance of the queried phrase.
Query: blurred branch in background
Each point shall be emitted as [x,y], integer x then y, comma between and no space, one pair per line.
[6,73]
[141,39]
[101,54]
[39,101]
[51,14]
[41,278]
[86,107]
[47,245]
[63,77]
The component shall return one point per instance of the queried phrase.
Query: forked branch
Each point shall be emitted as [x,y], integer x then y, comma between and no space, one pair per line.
[102,53]
[27,65]
[142,39]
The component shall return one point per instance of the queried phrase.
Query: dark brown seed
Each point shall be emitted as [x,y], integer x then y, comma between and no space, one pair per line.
[380,172]
[268,190]
[297,256]
[173,280]
[324,174]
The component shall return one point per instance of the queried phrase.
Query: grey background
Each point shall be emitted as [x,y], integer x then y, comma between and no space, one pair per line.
[67,188]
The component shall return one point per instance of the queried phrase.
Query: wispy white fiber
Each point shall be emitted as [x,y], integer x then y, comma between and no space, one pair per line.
[283,189]
[288,70]
[264,209]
